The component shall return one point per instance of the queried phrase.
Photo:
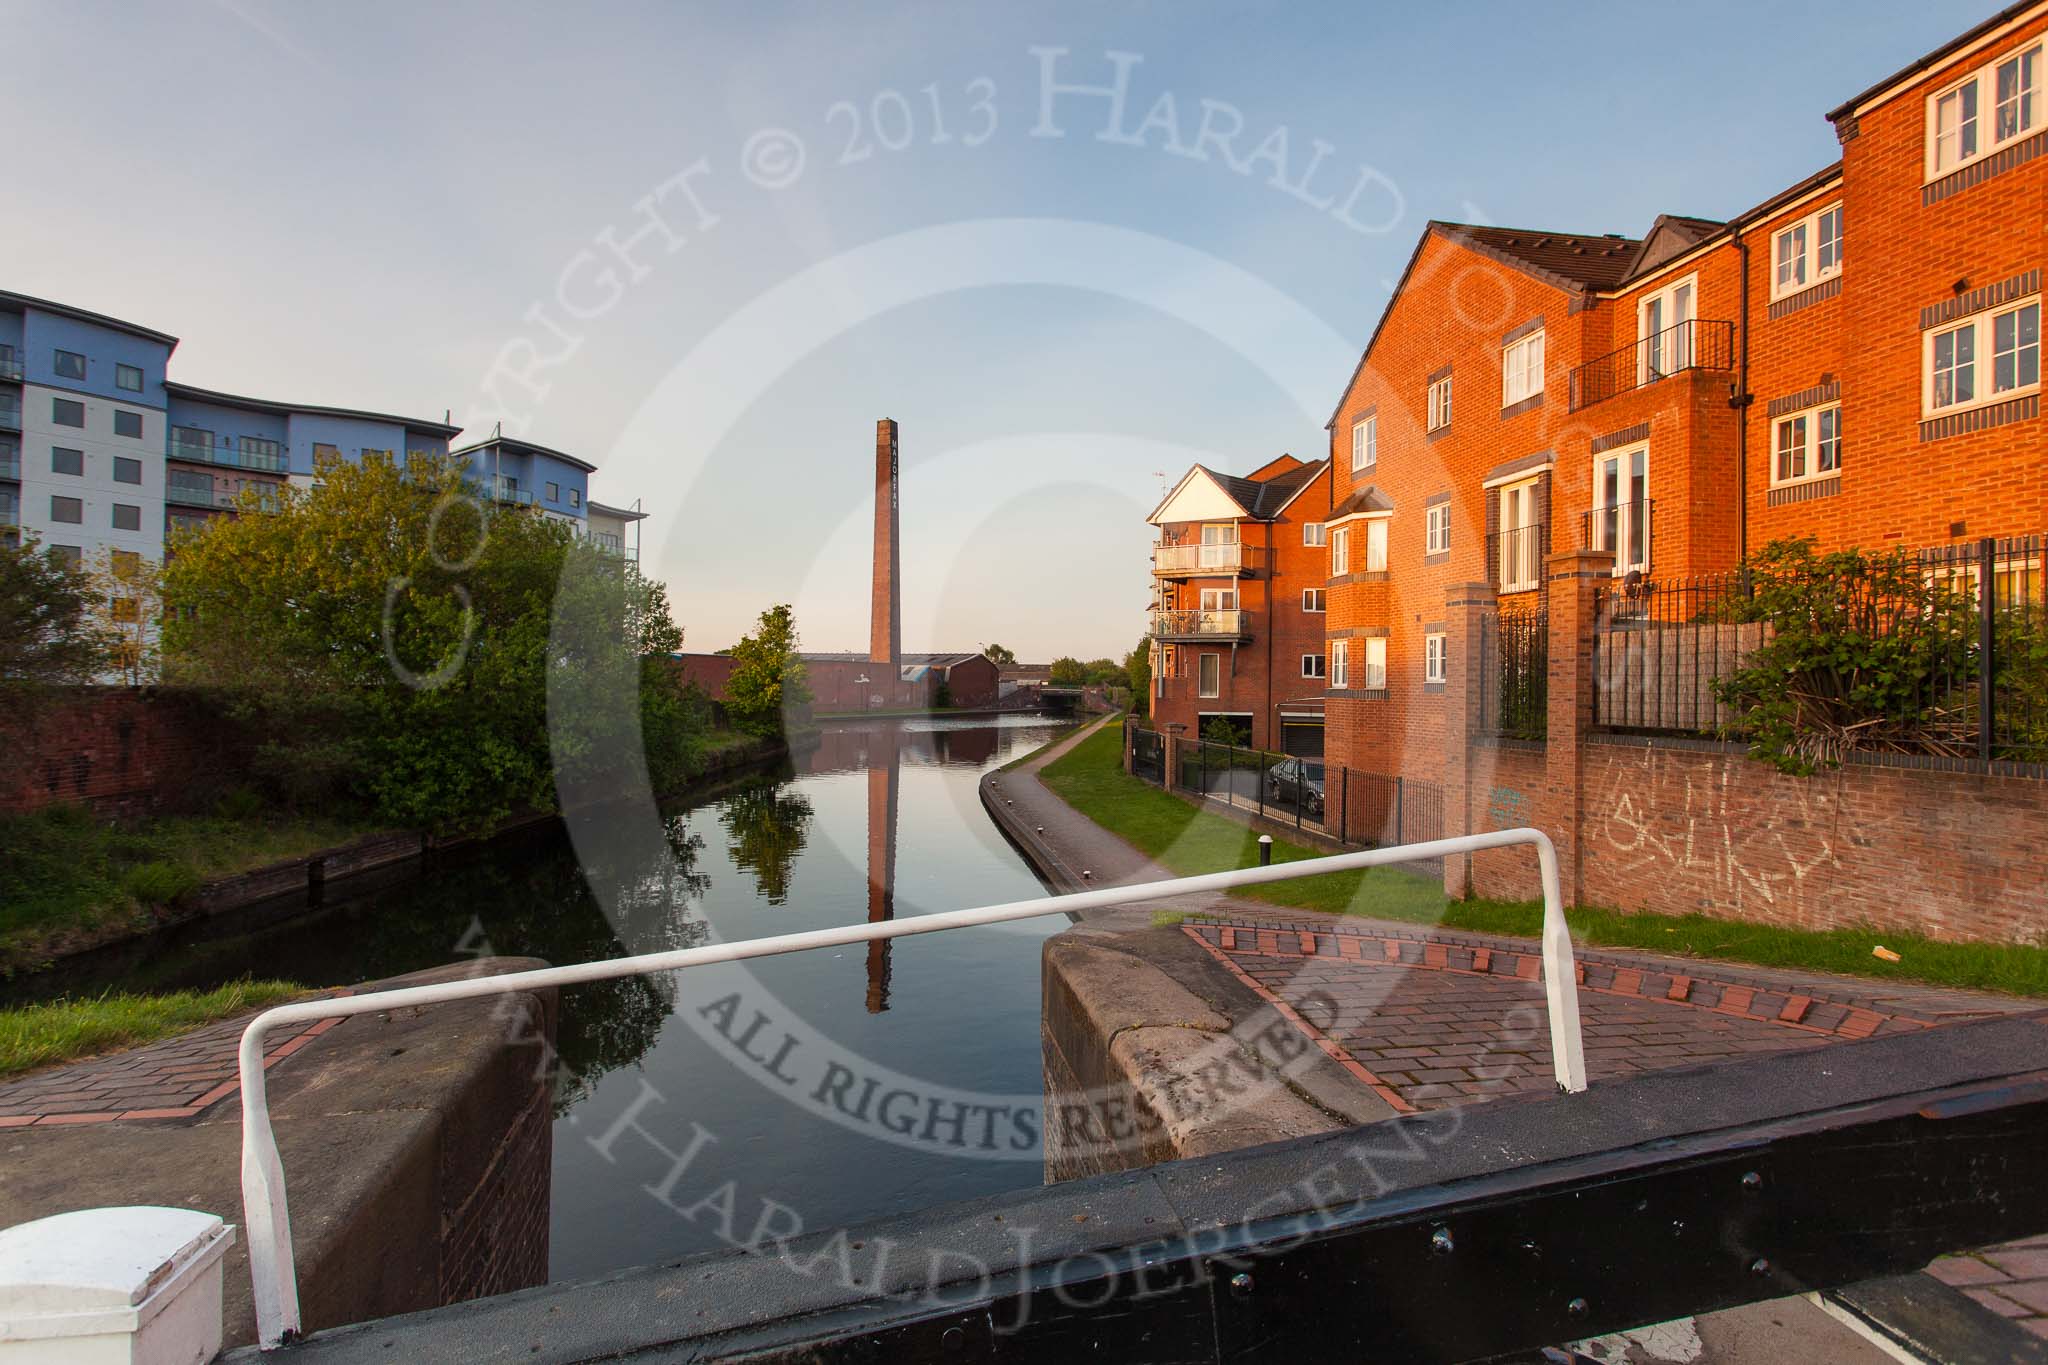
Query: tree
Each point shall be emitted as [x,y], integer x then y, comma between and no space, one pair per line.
[127,597]
[999,656]
[1138,668]
[1067,671]
[49,633]
[1104,673]
[768,678]
[398,643]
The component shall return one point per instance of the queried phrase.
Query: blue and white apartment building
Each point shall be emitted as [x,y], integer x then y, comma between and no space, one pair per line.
[101,451]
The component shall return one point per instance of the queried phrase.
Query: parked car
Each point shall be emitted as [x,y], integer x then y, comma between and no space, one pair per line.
[1296,779]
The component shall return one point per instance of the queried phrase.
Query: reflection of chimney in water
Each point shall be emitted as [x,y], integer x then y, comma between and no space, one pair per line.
[882,865]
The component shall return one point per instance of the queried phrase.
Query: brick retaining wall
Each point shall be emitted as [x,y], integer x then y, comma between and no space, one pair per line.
[121,751]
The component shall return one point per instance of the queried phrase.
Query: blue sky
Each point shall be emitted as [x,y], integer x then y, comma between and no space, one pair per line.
[381,205]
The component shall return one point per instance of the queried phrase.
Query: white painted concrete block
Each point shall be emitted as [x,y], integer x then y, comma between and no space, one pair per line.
[124,1286]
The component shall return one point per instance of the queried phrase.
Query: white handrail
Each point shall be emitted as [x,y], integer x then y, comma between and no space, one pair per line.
[268,1221]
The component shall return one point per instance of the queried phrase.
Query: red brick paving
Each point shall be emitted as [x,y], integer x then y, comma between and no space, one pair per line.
[1430,1022]
[178,1078]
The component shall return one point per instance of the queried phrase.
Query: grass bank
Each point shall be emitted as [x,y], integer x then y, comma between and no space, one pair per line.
[1189,841]
[34,1036]
[67,872]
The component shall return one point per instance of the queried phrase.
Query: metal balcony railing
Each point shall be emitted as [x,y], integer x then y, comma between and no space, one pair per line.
[1696,344]
[1624,528]
[10,511]
[1197,624]
[1193,560]
[10,465]
[267,1217]
[10,417]
[1514,557]
[10,364]
[263,460]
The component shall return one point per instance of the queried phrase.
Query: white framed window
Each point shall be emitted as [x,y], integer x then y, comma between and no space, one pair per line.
[1986,358]
[1374,654]
[1519,563]
[1808,252]
[1340,664]
[1219,599]
[1994,106]
[1219,546]
[1435,653]
[1209,675]
[1621,507]
[1312,599]
[1314,666]
[1340,551]
[1521,369]
[1440,404]
[1376,545]
[1437,530]
[1312,533]
[1807,445]
[1665,319]
[1365,442]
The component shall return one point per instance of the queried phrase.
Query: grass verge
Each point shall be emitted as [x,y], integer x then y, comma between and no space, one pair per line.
[34,1036]
[67,872]
[1188,841]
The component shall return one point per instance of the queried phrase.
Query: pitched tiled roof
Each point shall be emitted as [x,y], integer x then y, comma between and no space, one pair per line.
[1263,498]
[1368,499]
[1566,259]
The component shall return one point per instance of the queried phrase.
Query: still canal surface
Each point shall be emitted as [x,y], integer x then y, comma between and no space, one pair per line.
[648,1068]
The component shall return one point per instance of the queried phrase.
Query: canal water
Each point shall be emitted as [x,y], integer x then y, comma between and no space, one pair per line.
[669,1139]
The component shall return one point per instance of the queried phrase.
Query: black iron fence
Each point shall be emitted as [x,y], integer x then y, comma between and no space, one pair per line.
[1368,810]
[1660,647]
[1696,344]
[1514,674]
[1958,672]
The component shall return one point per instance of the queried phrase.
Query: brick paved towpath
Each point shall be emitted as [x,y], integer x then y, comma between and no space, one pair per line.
[178,1078]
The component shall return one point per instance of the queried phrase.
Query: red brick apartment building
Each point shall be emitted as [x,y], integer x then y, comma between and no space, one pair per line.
[1680,399]
[1238,614]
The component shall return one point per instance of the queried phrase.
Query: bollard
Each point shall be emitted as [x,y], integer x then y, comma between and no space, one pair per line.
[1265,850]
[133,1286]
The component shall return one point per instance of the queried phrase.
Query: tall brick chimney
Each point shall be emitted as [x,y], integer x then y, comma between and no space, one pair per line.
[885,630]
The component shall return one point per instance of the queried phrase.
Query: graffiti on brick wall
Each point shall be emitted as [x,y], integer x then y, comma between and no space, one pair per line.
[1692,834]
[1507,808]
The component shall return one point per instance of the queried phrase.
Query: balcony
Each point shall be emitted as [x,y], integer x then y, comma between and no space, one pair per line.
[10,365]
[10,464]
[10,511]
[1514,557]
[1625,529]
[1696,344]
[10,416]
[1195,561]
[267,461]
[1197,624]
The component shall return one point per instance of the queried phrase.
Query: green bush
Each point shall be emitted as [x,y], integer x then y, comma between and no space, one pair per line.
[240,803]
[159,883]
[1861,651]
